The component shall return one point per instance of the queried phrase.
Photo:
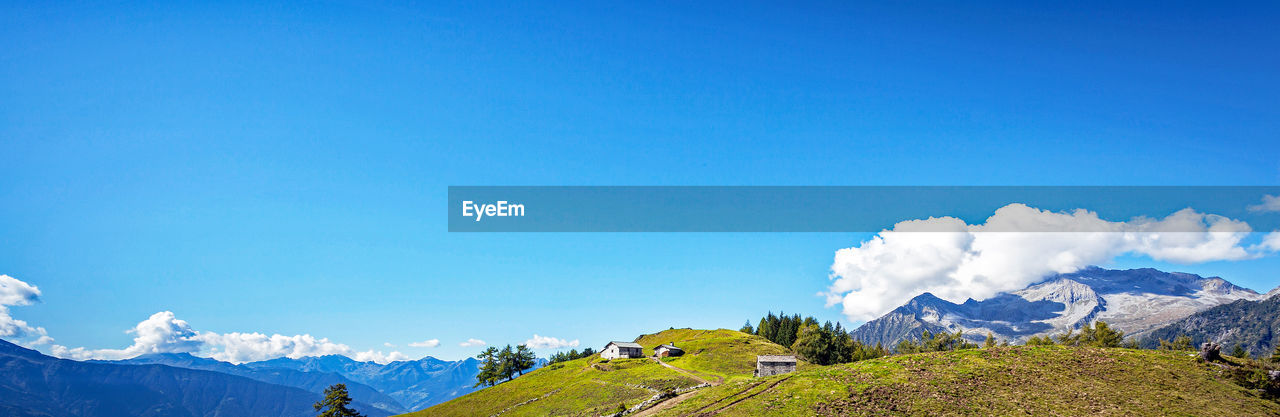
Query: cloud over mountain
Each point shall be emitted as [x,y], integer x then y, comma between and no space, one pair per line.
[1017,246]
[14,292]
[163,332]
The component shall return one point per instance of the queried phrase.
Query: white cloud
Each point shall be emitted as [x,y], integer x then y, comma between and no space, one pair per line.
[1270,203]
[429,343]
[160,333]
[472,342]
[14,292]
[163,332]
[1270,243]
[1017,246]
[379,357]
[544,342]
[389,344]
[250,347]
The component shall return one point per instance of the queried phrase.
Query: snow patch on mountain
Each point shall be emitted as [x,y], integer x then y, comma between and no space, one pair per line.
[1136,301]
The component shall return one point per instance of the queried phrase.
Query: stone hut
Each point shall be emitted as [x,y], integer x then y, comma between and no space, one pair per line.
[774,364]
[668,349]
[621,350]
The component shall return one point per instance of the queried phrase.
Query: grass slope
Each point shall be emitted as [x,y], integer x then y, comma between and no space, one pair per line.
[592,387]
[1046,380]
[727,354]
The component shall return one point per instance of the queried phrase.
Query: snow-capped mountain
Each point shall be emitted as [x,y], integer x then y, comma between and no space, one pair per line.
[1136,301]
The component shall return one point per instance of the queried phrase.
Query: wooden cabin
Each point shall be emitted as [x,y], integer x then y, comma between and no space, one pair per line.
[621,350]
[669,349]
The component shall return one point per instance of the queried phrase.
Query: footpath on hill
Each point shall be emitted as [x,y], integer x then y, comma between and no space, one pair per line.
[667,403]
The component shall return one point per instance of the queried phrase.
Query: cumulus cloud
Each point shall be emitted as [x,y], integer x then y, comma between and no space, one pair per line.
[250,347]
[1270,243]
[428,343]
[1017,246]
[1270,203]
[160,333]
[163,332]
[14,292]
[544,342]
[472,343]
[379,357]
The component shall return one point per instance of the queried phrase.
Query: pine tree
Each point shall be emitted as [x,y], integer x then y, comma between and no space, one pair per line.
[507,363]
[1239,352]
[1102,335]
[813,345]
[524,358]
[991,341]
[746,328]
[490,367]
[335,403]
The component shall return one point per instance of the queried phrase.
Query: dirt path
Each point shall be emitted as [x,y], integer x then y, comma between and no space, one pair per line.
[668,403]
[719,379]
[726,406]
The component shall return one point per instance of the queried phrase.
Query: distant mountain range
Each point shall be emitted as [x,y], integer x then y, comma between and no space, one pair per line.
[1136,301]
[1253,324]
[310,381]
[183,385]
[32,384]
[397,387]
[415,384]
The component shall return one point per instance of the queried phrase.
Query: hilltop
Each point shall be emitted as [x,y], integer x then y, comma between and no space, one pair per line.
[591,386]
[714,378]
[1019,380]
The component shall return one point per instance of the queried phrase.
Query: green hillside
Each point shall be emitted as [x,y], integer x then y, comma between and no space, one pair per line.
[591,387]
[714,354]
[1018,380]
[1042,380]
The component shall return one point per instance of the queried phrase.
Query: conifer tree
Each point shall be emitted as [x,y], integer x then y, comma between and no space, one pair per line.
[524,358]
[490,367]
[335,403]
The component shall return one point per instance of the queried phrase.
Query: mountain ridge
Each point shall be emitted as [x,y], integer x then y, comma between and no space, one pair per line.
[1136,301]
[34,384]
[311,381]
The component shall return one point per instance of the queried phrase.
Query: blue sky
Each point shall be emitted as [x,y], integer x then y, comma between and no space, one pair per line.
[282,168]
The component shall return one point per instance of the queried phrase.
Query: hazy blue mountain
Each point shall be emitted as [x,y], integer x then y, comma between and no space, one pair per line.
[1253,324]
[32,384]
[1136,301]
[311,381]
[415,384]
